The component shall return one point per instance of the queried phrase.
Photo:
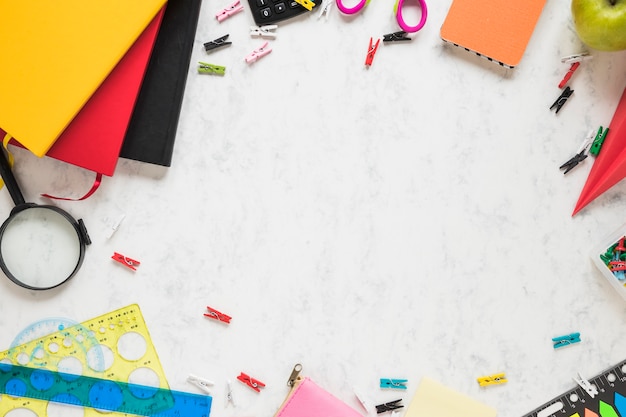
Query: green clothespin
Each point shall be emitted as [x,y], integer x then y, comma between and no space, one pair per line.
[598,141]
[206,68]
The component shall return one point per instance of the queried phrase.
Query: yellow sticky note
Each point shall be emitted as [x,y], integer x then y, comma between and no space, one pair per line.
[433,399]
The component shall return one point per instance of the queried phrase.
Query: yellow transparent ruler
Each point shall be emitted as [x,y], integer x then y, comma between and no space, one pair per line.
[115,346]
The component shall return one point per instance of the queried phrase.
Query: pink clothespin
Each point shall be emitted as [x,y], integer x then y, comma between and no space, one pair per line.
[126,261]
[371,51]
[258,53]
[236,7]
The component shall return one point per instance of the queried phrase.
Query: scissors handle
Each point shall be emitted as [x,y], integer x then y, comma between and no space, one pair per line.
[351,10]
[405,27]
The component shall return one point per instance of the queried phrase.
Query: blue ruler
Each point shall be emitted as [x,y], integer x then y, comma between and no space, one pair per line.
[100,394]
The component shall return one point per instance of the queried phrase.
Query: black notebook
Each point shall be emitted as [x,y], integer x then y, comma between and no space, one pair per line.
[152,128]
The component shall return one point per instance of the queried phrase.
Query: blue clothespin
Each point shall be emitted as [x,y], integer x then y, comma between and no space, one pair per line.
[568,339]
[393,383]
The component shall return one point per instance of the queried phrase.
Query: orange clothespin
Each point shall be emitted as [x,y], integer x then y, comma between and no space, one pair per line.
[235,7]
[371,51]
[214,314]
[251,382]
[126,261]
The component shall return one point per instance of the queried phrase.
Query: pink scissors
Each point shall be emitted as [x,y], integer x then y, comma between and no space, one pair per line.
[397,9]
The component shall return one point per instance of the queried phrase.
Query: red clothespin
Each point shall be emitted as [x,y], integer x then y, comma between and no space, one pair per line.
[214,314]
[371,51]
[236,7]
[251,382]
[621,246]
[617,265]
[126,261]
[258,53]
[569,74]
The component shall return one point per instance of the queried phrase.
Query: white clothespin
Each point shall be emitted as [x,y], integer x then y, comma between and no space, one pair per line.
[235,7]
[201,383]
[570,59]
[325,8]
[584,147]
[113,224]
[364,403]
[263,31]
[229,395]
[587,386]
[258,53]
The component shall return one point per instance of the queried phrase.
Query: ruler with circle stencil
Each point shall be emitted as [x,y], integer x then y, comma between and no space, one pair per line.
[114,348]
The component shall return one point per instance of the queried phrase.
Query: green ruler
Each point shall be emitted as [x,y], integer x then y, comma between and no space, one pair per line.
[100,394]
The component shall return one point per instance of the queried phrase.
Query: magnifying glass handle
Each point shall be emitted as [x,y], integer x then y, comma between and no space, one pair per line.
[9,180]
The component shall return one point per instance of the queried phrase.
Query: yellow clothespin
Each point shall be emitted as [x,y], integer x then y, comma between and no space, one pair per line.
[494,379]
[307,4]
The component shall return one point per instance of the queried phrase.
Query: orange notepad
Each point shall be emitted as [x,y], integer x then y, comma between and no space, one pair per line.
[499,30]
[55,54]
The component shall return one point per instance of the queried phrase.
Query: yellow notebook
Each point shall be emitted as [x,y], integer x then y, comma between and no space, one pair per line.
[55,54]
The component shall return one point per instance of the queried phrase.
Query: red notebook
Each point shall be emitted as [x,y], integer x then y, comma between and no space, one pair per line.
[94,138]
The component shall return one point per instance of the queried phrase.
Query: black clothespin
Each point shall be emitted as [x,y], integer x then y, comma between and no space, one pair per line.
[562,99]
[390,406]
[575,160]
[216,43]
[396,36]
[580,156]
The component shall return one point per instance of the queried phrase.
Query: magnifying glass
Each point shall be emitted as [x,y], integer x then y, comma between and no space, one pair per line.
[41,246]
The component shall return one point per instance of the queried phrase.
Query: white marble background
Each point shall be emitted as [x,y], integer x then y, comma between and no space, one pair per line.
[403,220]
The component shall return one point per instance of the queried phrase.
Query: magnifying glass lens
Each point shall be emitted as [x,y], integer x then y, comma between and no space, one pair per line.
[40,247]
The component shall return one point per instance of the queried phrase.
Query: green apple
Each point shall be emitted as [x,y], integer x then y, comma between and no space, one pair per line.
[601,24]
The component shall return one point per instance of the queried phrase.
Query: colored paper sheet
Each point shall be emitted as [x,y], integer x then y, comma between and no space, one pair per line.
[620,403]
[606,410]
[104,119]
[76,45]
[496,29]
[610,165]
[433,399]
[153,125]
[589,413]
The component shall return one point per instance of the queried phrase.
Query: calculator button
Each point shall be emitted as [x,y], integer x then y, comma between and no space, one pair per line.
[293,4]
[280,7]
[262,3]
[265,13]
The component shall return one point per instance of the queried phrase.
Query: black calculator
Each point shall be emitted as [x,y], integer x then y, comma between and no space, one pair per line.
[268,12]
